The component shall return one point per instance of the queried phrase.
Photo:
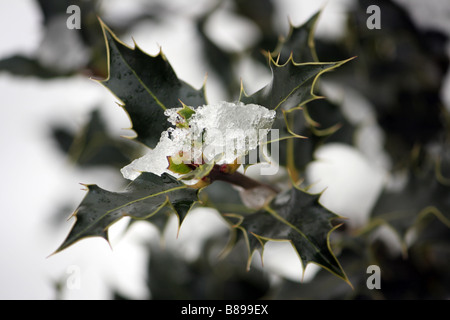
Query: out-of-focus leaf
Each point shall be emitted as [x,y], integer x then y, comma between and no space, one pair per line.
[401,69]
[262,14]
[327,122]
[59,45]
[172,277]
[420,274]
[53,8]
[299,43]
[320,122]
[220,61]
[25,66]
[430,251]
[94,145]
[422,195]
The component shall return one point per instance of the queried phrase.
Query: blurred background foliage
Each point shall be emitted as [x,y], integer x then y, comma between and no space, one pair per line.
[399,69]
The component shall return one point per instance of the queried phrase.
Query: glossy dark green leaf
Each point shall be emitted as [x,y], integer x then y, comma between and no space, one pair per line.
[141,199]
[291,90]
[299,218]
[146,86]
[292,84]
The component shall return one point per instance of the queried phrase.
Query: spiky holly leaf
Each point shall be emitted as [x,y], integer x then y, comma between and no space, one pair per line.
[147,86]
[292,84]
[140,200]
[297,217]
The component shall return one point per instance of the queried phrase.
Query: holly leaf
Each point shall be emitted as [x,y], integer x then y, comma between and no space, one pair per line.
[292,84]
[291,88]
[297,217]
[146,86]
[141,199]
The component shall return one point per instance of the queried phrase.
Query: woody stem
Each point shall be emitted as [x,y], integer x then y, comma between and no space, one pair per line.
[238,179]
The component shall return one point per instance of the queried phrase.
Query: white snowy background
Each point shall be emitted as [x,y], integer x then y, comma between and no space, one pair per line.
[37,179]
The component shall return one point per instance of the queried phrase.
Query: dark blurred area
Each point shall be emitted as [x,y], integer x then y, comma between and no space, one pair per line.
[399,69]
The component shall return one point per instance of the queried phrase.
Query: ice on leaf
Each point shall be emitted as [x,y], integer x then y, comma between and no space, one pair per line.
[221,132]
